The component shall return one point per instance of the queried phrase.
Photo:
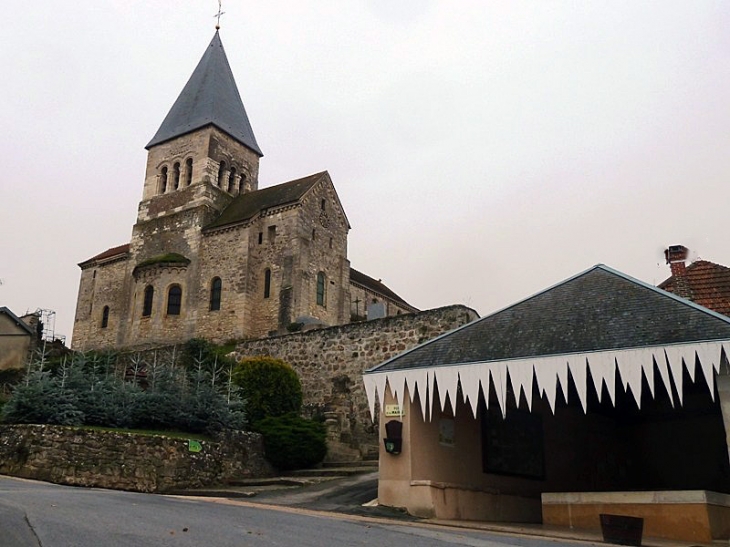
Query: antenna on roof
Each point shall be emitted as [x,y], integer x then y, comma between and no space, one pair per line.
[218,16]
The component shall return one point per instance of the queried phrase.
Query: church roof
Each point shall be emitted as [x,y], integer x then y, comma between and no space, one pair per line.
[209,97]
[376,285]
[109,254]
[246,206]
[709,285]
[597,310]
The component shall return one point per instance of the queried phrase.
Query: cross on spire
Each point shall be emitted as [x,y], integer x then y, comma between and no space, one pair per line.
[218,16]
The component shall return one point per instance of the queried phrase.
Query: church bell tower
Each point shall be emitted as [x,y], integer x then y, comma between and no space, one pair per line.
[205,152]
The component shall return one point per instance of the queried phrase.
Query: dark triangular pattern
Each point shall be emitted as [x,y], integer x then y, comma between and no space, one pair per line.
[209,97]
[600,309]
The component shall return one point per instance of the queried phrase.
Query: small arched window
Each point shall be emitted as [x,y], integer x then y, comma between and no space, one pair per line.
[221,172]
[105,317]
[163,180]
[267,283]
[232,180]
[320,289]
[176,176]
[174,300]
[242,183]
[216,287]
[188,171]
[149,294]
[323,204]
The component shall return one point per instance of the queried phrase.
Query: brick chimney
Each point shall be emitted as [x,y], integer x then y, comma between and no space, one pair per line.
[676,255]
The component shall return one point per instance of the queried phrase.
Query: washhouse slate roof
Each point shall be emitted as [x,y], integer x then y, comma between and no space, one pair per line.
[376,286]
[599,309]
[709,285]
[246,206]
[210,97]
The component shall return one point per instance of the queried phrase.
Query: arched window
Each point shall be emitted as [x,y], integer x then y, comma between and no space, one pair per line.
[323,204]
[216,287]
[105,317]
[174,300]
[232,180]
[221,172]
[149,294]
[176,176]
[320,289]
[163,180]
[242,183]
[267,283]
[188,171]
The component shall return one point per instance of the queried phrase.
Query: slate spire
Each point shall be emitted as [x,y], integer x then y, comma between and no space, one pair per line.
[209,97]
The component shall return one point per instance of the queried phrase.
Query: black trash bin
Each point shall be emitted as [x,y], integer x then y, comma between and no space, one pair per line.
[622,529]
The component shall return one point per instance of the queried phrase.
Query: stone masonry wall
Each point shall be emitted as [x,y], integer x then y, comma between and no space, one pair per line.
[101,285]
[125,461]
[330,363]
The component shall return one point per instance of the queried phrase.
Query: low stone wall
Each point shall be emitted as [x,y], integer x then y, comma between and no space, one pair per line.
[330,363]
[125,461]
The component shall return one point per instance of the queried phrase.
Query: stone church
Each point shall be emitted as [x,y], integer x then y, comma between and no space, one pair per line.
[211,254]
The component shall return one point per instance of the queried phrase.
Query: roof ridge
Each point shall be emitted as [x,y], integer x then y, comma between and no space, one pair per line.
[378,284]
[110,252]
[700,262]
[602,267]
[247,205]
[480,319]
[17,320]
[314,177]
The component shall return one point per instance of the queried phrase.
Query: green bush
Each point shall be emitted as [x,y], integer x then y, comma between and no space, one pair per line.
[292,442]
[269,386]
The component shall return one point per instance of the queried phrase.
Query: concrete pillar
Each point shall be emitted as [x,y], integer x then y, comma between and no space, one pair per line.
[723,390]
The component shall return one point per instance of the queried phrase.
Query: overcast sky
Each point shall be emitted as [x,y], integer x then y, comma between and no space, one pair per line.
[483,151]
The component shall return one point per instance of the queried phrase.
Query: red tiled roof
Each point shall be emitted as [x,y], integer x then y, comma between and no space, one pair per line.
[109,253]
[709,284]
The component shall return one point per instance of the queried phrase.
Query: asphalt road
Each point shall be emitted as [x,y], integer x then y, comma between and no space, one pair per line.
[34,514]
[346,495]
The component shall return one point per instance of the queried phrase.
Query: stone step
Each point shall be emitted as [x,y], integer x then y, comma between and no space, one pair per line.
[333,471]
[270,481]
[346,464]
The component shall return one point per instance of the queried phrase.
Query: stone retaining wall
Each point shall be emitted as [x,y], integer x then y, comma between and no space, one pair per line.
[125,461]
[330,363]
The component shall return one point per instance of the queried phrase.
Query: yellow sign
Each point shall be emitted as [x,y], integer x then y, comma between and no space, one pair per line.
[394,410]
